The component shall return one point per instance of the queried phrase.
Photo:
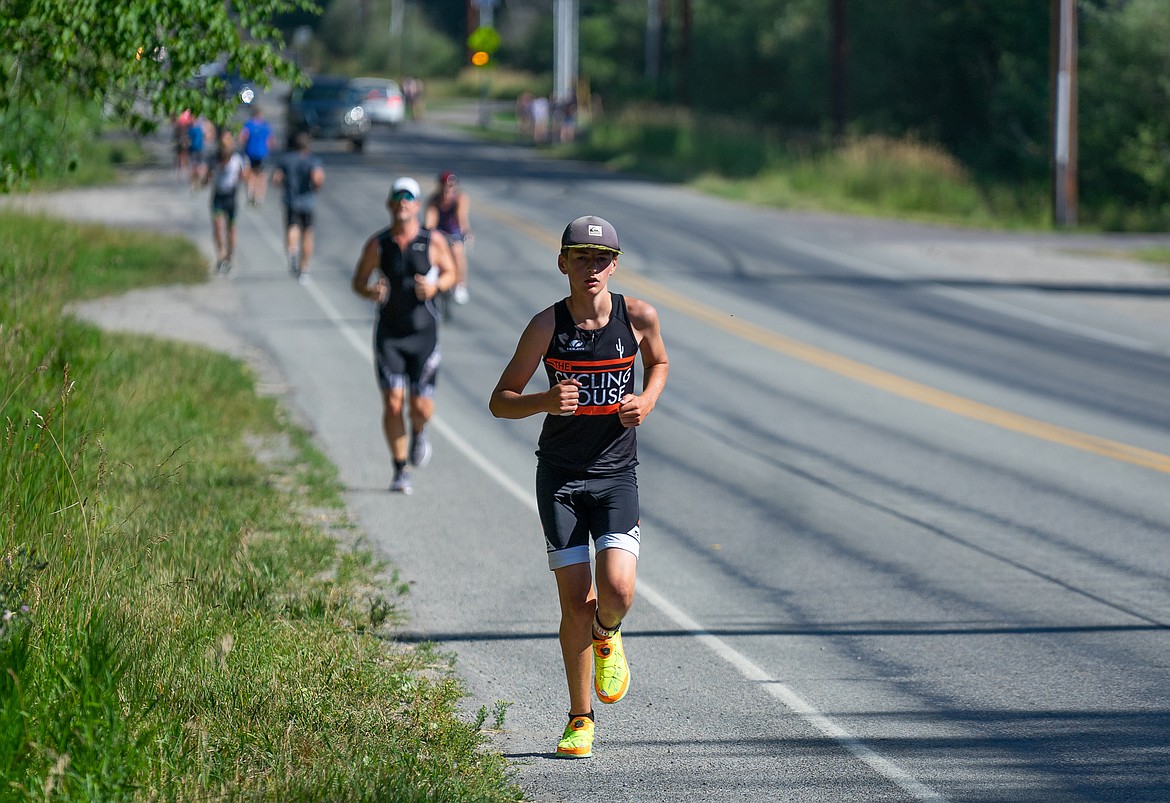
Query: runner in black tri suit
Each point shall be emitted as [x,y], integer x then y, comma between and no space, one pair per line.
[411,268]
[586,485]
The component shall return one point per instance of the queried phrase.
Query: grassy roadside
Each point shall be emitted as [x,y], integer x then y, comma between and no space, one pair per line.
[187,613]
[98,161]
[1156,255]
[872,175]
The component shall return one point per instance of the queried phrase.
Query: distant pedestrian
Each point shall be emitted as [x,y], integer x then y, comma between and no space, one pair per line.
[301,174]
[227,172]
[586,485]
[256,138]
[567,118]
[202,149]
[181,133]
[524,116]
[403,267]
[413,91]
[540,115]
[449,211]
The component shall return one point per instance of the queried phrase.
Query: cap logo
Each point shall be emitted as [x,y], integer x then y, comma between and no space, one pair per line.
[595,231]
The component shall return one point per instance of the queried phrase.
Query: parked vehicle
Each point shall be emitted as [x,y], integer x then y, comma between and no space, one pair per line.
[382,99]
[328,109]
[242,88]
[229,81]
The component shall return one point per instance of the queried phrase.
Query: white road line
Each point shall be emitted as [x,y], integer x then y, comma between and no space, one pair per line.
[788,696]
[740,662]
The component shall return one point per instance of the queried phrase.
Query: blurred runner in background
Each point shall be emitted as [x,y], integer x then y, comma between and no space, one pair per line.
[256,139]
[227,172]
[448,211]
[403,268]
[301,174]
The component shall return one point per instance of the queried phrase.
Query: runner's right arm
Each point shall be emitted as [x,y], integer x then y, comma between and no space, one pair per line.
[509,400]
[367,264]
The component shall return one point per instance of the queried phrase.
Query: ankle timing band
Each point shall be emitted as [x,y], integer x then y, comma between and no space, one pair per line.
[604,632]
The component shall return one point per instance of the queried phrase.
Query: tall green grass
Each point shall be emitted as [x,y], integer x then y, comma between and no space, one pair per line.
[868,175]
[1154,254]
[182,619]
[98,159]
[65,141]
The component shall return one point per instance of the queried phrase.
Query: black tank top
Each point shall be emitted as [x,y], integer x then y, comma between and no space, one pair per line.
[592,442]
[449,219]
[403,314]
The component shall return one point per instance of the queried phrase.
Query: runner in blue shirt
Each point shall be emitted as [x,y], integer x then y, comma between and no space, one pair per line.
[196,139]
[256,138]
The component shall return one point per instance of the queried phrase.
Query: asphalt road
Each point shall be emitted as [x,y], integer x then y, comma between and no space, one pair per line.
[904,526]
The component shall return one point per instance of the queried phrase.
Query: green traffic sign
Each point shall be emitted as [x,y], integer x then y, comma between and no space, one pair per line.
[484,38]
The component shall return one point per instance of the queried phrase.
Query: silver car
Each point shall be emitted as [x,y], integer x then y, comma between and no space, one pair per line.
[382,99]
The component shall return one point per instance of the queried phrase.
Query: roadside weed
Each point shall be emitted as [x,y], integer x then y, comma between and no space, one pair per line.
[192,616]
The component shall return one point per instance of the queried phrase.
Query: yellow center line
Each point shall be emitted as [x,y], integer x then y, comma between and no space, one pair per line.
[867,374]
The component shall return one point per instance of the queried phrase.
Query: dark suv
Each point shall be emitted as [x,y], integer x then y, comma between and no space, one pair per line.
[328,109]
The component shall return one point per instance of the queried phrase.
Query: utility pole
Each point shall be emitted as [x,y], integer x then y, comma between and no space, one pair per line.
[837,74]
[396,11]
[564,48]
[472,24]
[1064,137]
[683,94]
[653,38]
[397,35]
[487,13]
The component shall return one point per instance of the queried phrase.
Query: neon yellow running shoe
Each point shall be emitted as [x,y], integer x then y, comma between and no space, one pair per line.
[578,739]
[611,673]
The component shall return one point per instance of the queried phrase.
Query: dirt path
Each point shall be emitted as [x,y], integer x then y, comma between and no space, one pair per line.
[153,199]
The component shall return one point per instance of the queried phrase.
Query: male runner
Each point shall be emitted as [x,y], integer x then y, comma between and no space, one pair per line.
[302,175]
[228,171]
[412,267]
[586,485]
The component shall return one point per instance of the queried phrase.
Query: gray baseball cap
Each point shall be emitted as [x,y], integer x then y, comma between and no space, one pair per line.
[590,232]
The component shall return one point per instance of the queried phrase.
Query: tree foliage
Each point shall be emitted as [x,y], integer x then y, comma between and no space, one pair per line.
[358,34]
[133,59]
[1124,95]
[971,76]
